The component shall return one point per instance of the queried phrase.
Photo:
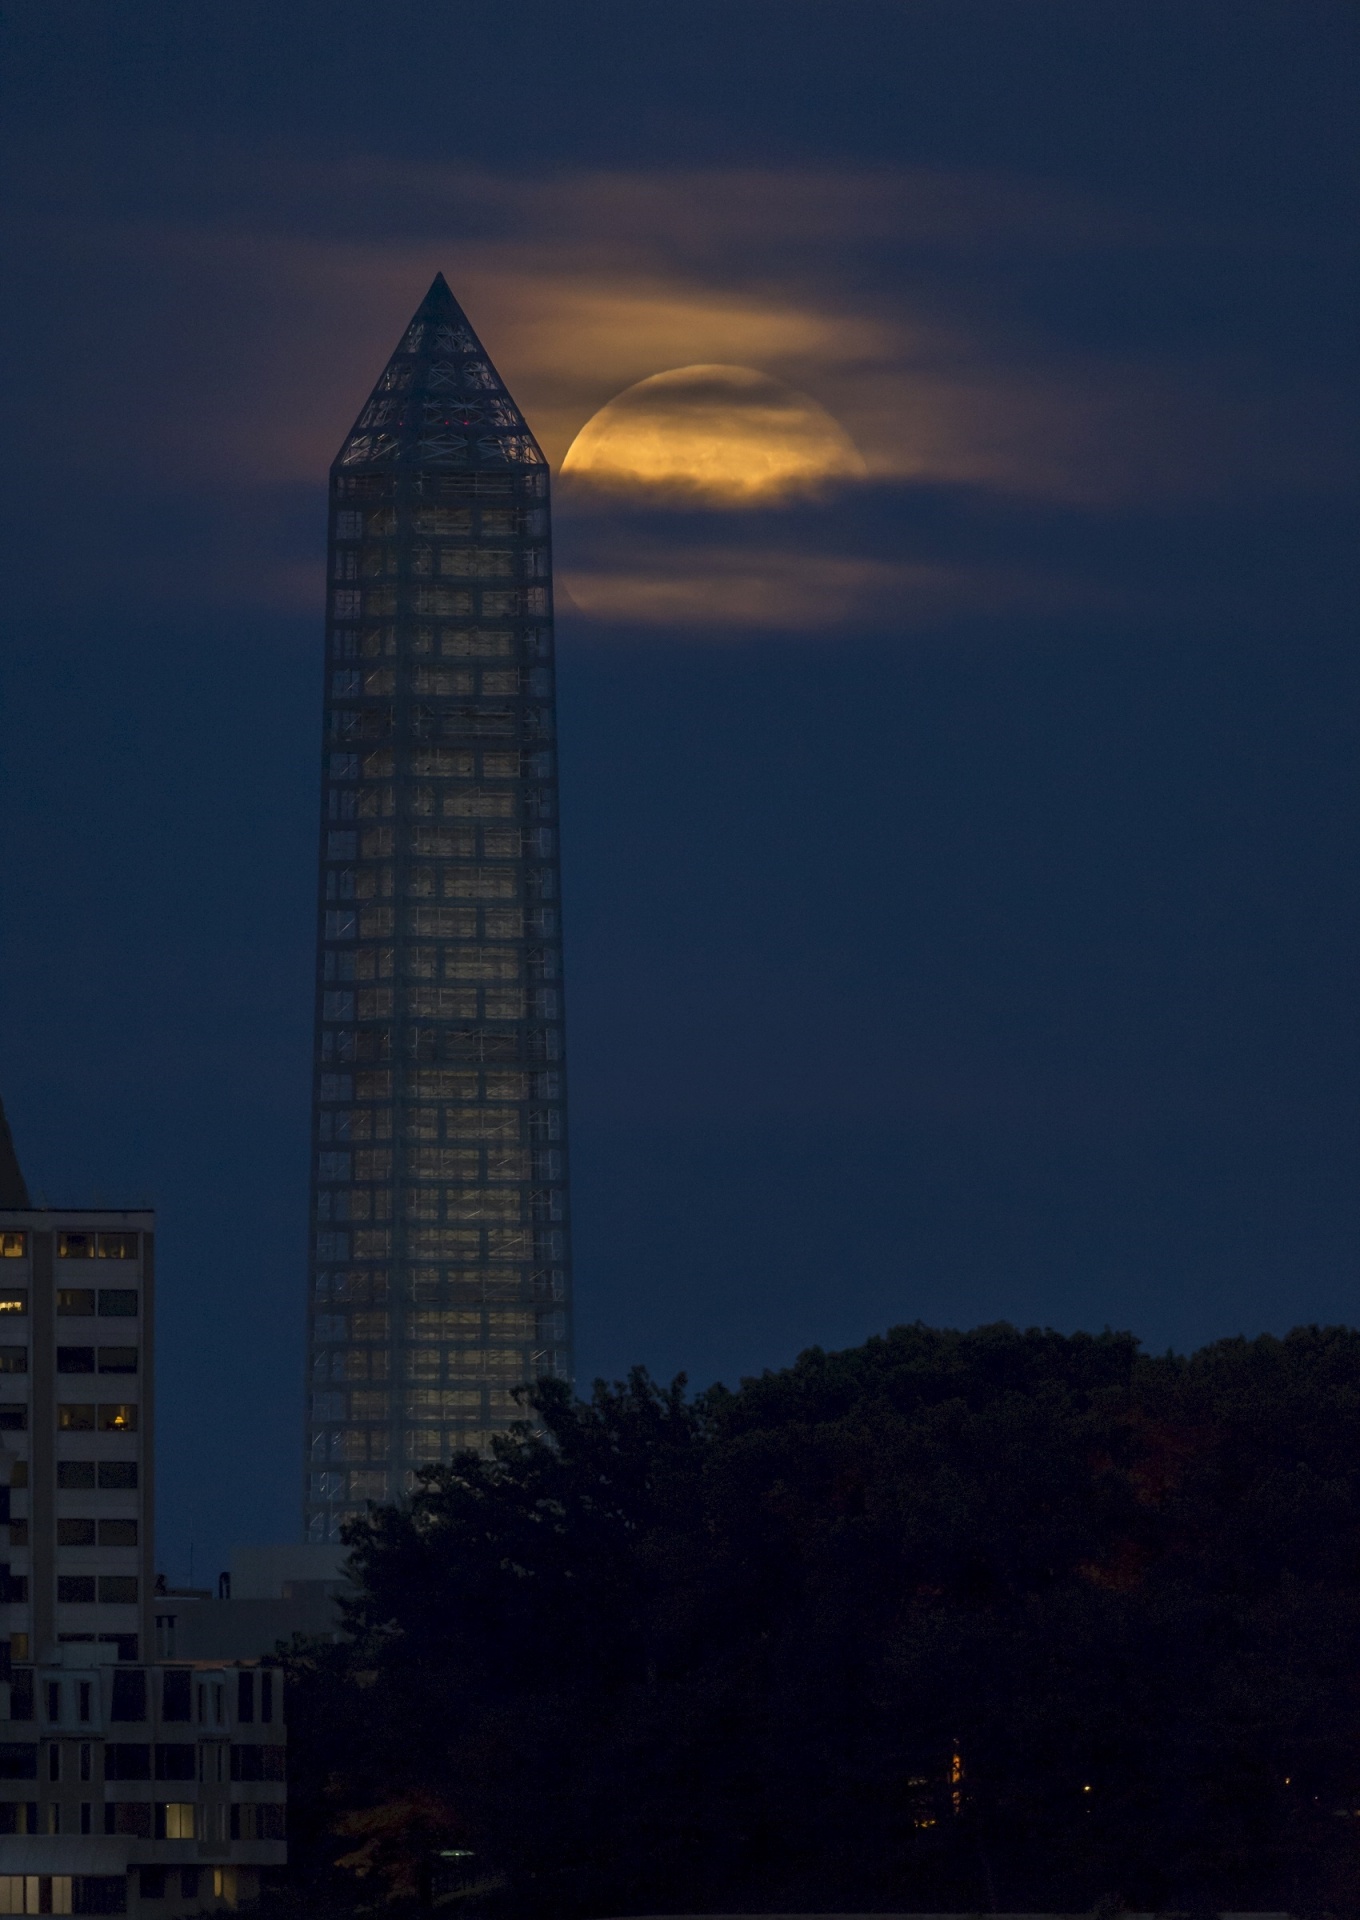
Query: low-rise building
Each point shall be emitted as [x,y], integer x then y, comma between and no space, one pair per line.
[147,1790]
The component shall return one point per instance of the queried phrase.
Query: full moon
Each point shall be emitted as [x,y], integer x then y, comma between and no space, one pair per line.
[713,434]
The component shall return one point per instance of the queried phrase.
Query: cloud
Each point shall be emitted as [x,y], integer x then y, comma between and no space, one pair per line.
[235,346]
[695,577]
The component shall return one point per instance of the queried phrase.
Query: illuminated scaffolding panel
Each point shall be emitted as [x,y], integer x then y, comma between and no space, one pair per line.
[440,1261]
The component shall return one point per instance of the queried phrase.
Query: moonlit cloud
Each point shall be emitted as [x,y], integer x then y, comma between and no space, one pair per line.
[236,349]
[729,590]
[715,433]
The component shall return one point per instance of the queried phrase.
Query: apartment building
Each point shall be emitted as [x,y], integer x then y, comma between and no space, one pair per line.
[127,1784]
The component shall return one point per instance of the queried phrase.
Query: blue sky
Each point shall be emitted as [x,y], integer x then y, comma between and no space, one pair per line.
[960,896]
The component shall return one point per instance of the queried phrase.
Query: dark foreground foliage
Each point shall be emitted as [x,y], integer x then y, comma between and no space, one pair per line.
[950,1621]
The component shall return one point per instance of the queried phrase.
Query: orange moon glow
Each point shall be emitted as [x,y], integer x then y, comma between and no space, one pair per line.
[714,434]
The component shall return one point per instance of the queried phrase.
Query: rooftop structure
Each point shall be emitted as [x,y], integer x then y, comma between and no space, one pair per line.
[440,1267]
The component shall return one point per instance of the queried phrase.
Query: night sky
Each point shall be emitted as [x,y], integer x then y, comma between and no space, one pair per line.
[960,878]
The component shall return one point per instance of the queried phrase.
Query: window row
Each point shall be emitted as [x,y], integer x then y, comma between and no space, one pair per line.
[86,1532]
[194,1760]
[432,1003]
[113,1303]
[106,1417]
[444,763]
[453,1083]
[341,1363]
[107,1589]
[509,1203]
[446,923]
[470,802]
[452,962]
[443,522]
[337,1246]
[75,1359]
[107,1476]
[470,1402]
[524,643]
[448,1163]
[461,1402]
[441,843]
[445,603]
[359,964]
[502,720]
[157,1820]
[74,1246]
[433,1286]
[388,560]
[443,682]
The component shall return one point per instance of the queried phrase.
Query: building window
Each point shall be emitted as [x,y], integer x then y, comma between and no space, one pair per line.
[76,1359]
[75,1302]
[175,1760]
[13,1419]
[117,1476]
[117,1246]
[75,1417]
[13,1246]
[75,1590]
[117,1303]
[76,1246]
[13,1359]
[117,1418]
[117,1533]
[177,1695]
[75,1533]
[75,1476]
[118,1589]
[118,1359]
[129,1696]
[13,1300]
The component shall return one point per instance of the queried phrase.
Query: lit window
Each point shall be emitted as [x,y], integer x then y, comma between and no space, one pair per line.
[13,1246]
[179,1819]
[117,1246]
[76,1246]
[76,1301]
[117,1418]
[75,1418]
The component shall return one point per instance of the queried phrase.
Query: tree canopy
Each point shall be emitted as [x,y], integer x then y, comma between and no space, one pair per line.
[949,1621]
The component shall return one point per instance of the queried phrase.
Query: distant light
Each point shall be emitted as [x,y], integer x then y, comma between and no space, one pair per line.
[1086,1789]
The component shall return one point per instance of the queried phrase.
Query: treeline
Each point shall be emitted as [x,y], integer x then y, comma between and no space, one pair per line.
[951,1621]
